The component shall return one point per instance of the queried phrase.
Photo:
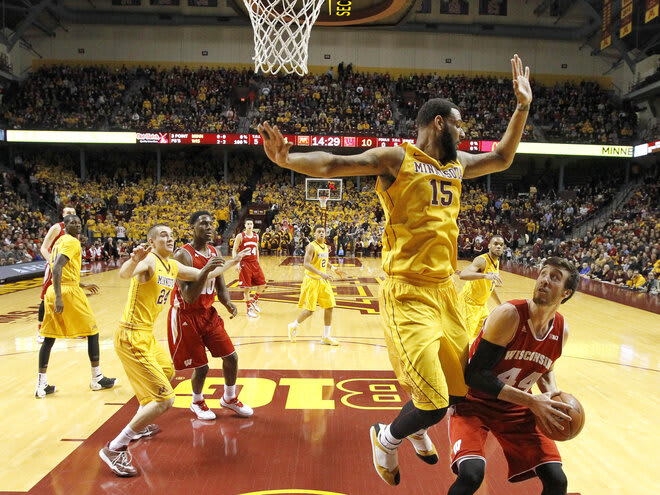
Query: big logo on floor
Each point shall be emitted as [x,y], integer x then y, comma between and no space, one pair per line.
[309,435]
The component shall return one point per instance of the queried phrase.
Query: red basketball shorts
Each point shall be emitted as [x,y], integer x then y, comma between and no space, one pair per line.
[250,275]
[190,333]
[524,446]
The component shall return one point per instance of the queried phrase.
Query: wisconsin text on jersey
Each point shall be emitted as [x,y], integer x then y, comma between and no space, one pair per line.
[529,356]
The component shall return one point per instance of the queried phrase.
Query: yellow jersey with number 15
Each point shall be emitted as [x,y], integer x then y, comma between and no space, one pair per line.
[478,291]
[146,300]
[421,209]
[319,260]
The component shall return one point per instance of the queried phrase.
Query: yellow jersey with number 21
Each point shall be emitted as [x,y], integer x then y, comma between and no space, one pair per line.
[421,211]
[146,300]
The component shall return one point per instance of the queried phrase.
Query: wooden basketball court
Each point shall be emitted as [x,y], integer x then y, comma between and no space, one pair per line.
[313,403]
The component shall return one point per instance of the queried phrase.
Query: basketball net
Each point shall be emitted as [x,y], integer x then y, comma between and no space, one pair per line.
[281,33]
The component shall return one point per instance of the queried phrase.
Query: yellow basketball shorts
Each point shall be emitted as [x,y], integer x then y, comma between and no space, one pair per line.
[475,315]
[147,365]
[315,291]
[426,340]
[76,320]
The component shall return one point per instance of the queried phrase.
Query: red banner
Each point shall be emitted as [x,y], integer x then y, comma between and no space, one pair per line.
[626,18]
[651,10]
[606,30]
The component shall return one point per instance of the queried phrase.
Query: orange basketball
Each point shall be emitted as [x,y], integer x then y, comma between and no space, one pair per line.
[571,428]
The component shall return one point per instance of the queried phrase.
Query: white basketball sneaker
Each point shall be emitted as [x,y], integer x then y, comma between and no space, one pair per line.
[237,406]
[202,410]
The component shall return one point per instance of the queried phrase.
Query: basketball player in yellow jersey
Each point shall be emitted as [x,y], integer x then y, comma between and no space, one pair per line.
[482,276]
[147,365]
[67,310]
[316,286]
[419,187]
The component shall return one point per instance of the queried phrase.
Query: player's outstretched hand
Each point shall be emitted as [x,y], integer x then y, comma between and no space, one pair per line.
[140,252]
[495,278]
[241,254]
[213,263]
[327,276]
[341,273]
[231,307]
[549,411]
[521,84]
[276,148]
[93,288]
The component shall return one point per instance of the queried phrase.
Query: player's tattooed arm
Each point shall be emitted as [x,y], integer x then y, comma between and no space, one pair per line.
[376,161]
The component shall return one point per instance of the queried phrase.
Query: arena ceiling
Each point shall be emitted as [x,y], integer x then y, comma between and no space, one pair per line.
[573,20]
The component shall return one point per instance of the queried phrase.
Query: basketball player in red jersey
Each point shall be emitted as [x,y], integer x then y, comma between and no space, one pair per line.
[54,233]
[193,324]
[517,347]
[250,275]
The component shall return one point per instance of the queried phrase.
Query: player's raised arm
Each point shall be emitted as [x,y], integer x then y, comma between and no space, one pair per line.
[215,266]
[140,264]
[502,157]
[376,161]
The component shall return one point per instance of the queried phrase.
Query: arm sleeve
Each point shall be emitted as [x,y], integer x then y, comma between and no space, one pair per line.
[479,372]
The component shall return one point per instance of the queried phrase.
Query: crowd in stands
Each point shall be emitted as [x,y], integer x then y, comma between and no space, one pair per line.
[21,228]
[182,99]
[583,114]
[120,200]
[349,104]
[346,102]
[355,224]
[624,250]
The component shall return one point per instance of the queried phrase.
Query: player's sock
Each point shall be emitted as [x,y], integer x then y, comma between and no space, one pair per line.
[326,331]
[123,439]
[295,323]
[255,298]
[230,392]
[197,397]
[387,440]
[42,379]
[96,373]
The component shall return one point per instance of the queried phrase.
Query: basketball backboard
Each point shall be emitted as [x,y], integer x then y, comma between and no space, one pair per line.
[334,188]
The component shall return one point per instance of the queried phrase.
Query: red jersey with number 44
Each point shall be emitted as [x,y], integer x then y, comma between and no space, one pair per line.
[207,297]
[252,242]
[527,357]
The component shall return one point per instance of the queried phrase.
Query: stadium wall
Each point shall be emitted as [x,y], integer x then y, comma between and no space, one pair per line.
[367,49]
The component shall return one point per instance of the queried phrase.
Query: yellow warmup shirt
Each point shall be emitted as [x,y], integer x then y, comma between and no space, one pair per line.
[421,208]
[69,246]
[147,300]
[319,260]
[478,291]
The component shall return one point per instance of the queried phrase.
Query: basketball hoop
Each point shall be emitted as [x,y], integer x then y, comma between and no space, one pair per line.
[281,33]
[323,196]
